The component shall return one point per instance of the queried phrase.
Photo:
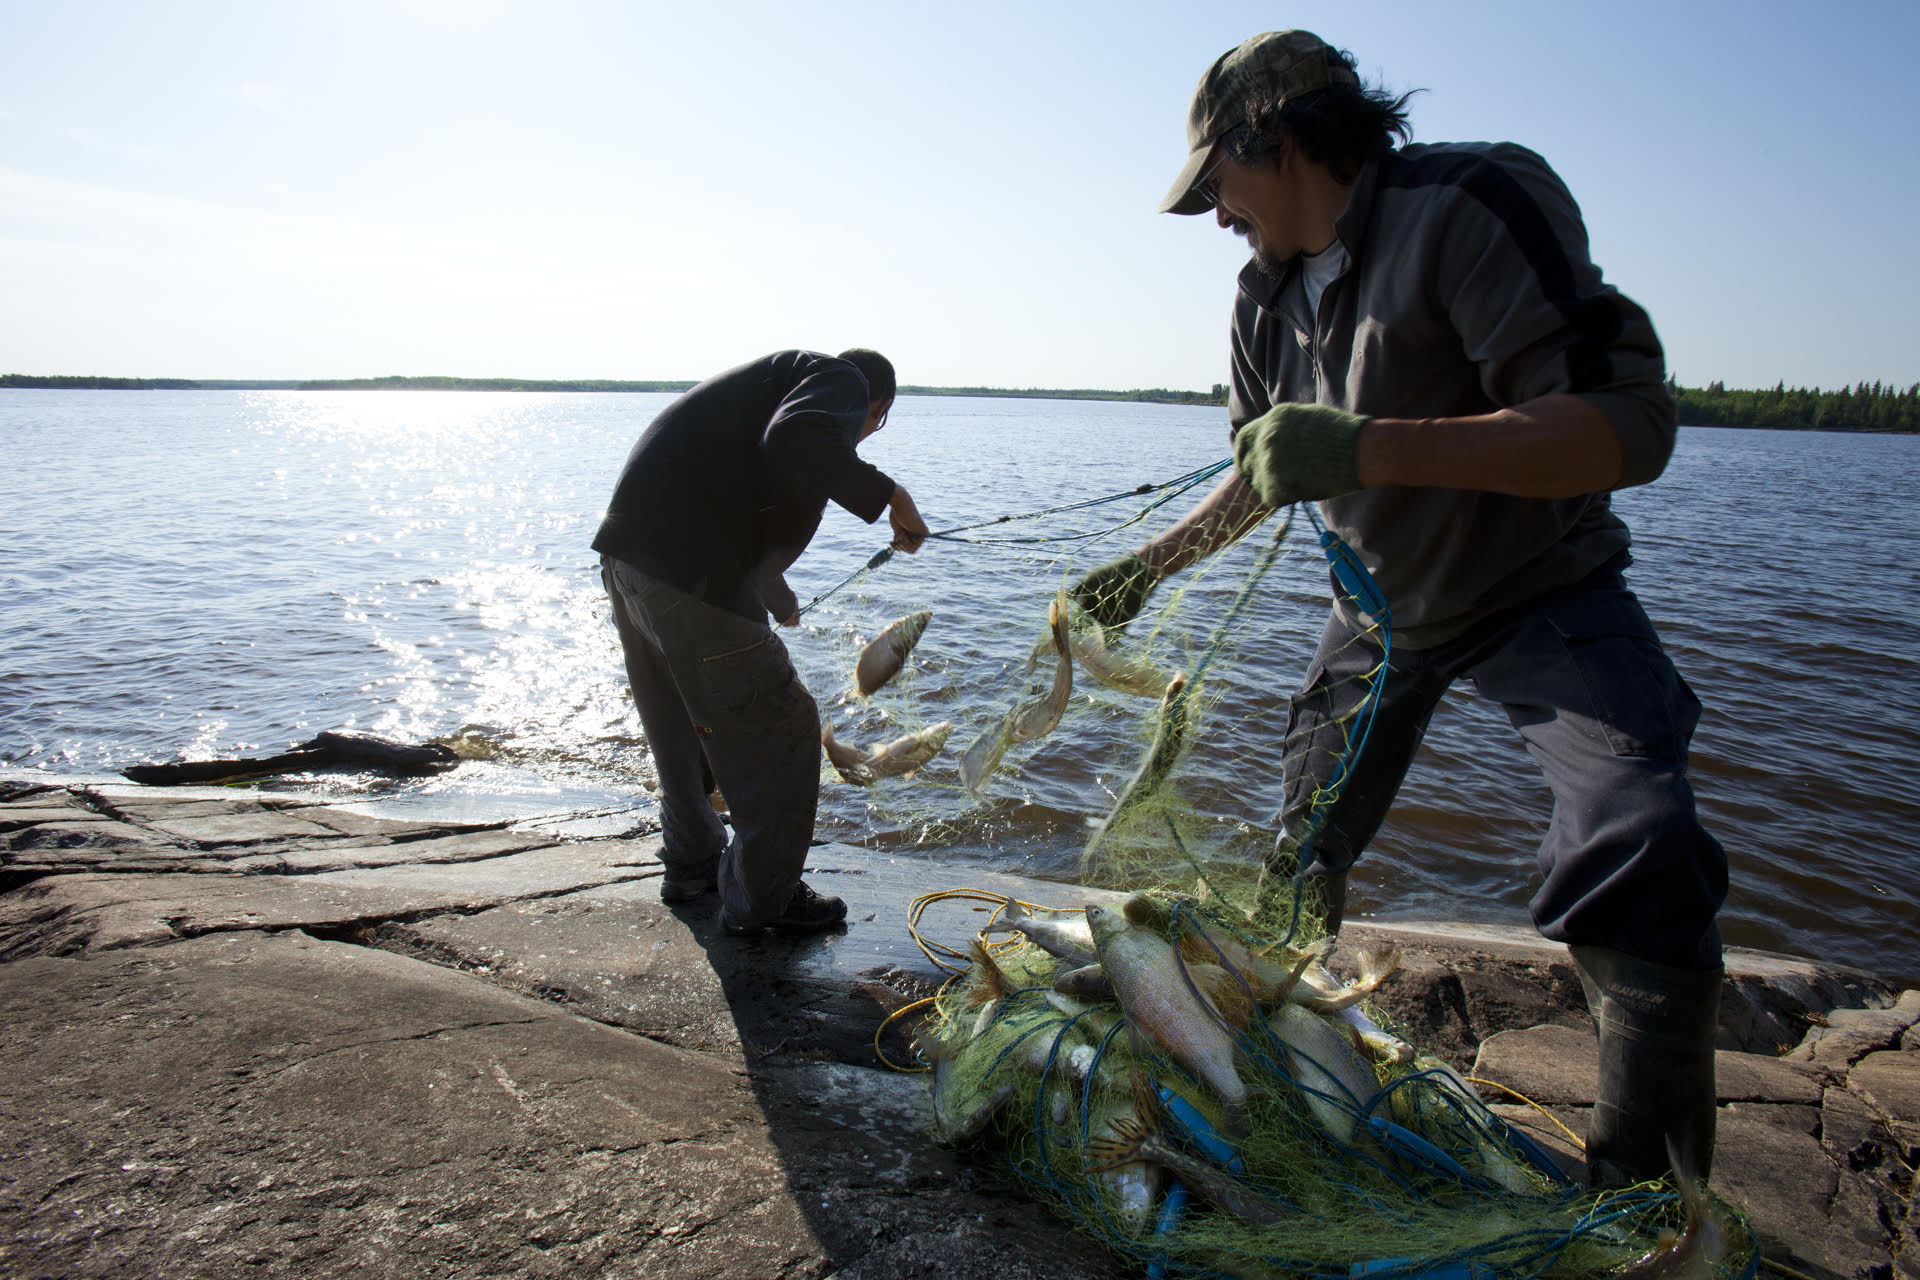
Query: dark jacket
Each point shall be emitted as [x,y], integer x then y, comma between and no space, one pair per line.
[727,484]
[1468,288]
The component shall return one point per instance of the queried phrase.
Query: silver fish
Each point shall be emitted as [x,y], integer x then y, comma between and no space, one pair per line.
[1036,717]
[894,759]
[884,655]
[1068,938]
[983,757]
[1163,1004]
[1336,1083]
[1117,669]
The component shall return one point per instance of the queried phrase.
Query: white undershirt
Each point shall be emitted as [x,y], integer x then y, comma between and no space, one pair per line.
[1317,271]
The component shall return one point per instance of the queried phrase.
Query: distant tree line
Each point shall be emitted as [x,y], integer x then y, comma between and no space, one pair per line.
[1862,407]
[1149,395]
[398,383]
[63,383]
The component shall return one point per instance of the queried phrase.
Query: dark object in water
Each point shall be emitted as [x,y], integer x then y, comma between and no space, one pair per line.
[330,750]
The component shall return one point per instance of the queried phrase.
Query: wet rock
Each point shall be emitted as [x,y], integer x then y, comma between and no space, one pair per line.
[1750,1151]
[1846,1035]
[63,915]
[1890,1081]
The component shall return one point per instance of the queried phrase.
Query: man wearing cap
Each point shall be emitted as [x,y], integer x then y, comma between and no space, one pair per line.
[722,492]
[1422,346]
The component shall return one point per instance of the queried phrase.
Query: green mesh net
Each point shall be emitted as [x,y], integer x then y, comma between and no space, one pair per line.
[1277,1129]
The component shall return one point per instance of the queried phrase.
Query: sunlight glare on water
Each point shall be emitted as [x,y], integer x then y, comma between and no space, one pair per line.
[207,574]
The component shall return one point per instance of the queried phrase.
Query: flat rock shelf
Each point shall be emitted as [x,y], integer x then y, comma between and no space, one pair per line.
[251,1034]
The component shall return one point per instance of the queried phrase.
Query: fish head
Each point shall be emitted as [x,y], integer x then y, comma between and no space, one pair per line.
[1106,924]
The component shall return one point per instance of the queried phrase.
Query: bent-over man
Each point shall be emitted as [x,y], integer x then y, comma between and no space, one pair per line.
[720,495]
[1422,346]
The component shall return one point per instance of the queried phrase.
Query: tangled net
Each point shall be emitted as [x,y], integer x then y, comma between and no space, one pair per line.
[1326,1145]
[1353,1155]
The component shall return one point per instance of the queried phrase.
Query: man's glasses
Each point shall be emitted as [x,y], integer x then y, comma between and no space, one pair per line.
[1207,185]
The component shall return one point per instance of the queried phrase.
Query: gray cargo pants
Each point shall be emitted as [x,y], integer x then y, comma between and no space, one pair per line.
[1599,706]
[707,680]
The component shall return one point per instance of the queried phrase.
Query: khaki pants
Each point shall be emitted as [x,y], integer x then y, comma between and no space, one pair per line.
[708,682]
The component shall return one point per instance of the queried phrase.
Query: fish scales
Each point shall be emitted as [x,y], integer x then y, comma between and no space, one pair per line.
[1158,999]
[884,655]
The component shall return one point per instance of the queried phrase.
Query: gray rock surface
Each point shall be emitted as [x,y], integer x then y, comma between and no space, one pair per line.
[253,1035]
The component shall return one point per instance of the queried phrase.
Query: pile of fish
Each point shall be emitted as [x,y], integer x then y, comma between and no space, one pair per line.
[1182,1090]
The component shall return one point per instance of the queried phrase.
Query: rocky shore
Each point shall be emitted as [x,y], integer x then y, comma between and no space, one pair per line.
[254,1035]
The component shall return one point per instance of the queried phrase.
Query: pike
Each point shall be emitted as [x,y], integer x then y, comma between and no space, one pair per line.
[894,759]
[1162,1004]
[884,655]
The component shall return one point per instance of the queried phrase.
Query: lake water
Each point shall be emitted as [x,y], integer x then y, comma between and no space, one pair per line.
[223,573]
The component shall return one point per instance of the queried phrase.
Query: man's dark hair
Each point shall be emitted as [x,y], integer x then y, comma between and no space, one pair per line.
[1341,126]
[876,368]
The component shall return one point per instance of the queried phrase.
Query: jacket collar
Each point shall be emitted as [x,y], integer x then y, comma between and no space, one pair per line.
[1273,293]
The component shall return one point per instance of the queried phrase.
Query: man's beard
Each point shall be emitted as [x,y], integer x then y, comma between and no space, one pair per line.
[1263,261]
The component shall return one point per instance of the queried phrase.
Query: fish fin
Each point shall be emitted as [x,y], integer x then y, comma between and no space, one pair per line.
[1150,912]
[1088,982]
[1224,990]
[1119,1144]
[1288,987]
[994,983]
[1377,965]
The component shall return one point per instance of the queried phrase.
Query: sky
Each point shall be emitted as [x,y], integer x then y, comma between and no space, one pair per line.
[658,191]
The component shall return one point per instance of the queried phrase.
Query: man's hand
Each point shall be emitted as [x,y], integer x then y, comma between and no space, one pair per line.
[909,530]
[1300,453]
[1114,594]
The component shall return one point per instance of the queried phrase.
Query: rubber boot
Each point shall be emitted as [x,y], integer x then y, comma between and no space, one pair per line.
[1655,1106]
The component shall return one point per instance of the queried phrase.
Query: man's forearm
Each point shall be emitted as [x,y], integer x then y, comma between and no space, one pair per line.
[1554,447]
[1223,517]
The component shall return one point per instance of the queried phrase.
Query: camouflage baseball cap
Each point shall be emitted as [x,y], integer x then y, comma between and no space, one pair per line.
[1256,77]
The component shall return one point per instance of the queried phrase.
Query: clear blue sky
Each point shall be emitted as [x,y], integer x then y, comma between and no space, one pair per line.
[662,190]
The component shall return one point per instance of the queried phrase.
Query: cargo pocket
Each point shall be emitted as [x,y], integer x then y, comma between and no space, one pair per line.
[1638,699]
[739,681]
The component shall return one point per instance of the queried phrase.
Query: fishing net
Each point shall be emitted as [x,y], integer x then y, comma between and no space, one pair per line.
[1342,1150]
[1354,1154]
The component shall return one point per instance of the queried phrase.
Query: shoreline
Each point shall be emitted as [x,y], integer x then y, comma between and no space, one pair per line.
[1894,412]
[255,1034]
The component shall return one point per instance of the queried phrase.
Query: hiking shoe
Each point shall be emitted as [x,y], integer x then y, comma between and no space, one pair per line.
[806,912]
[678,889]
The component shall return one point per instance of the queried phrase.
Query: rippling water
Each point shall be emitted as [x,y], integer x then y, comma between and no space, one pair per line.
[211,574]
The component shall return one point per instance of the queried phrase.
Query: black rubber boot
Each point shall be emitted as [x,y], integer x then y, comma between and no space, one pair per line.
[1657,1027]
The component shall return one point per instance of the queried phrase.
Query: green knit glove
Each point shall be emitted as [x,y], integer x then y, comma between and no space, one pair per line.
[1300,453]
[1115,593]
